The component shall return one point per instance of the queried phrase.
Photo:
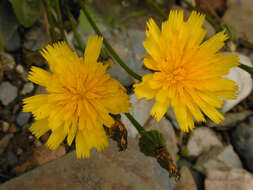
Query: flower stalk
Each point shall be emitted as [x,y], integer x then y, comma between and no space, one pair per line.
[59,17]
[107,44]
[73,25]
[51,22]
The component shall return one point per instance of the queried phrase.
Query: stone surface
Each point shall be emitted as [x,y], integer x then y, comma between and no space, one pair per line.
[228,179]
[186,180]
[23,118]
[231,119]
[8,93]
[8,62]
[28,88]
[107,170]
[243,81]
[202,140]
[4,142]
[36,39]
[242,140]
[243,25]
[140,109]
[218,157]
[42,154]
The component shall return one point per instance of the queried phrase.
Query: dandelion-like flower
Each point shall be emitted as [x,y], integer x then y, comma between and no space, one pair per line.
[187,72]
[80,96]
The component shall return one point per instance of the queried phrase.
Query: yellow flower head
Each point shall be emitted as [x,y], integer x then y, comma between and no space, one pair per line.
[80,96]
[187,72]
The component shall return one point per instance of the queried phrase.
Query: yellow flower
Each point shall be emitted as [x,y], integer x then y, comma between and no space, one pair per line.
[187,72]
[80,96]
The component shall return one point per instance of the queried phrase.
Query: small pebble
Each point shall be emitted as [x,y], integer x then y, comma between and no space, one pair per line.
[23,118]
[37,143]
[8,93]
[20,69]
[19,151]
[28,87]
[5,126]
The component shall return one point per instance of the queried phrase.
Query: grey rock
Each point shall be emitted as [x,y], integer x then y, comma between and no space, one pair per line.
[28,88]
[7,61]
[218,157]
[106,170]
[36,39]
[186,180]
[241,22]
[14,42]
[228,179]
[11,158]
[8,93]
[242,140]
[4,142]
[202,140]
[141,116]
[23,118]
[231,119]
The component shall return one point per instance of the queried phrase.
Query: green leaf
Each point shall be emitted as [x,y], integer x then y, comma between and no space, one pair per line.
[8,22]
[84,24]
[26,11]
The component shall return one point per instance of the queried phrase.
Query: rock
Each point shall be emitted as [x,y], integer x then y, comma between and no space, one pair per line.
[8,93]
[4,142]
[228,179]
[186,180]
[23,118]
[105,170]
[202,140]
[36,39]
[140,110]
[11,158]
[218,157]
[28,88]
[5,126]
[8,62]
[242,140]
[241,22]
[20,69]
[240,3]
[14,43]
[42,155]
[243,81]
[231,119]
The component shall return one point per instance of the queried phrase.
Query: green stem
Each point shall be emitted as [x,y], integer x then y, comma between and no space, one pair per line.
[135,123]
[247,68]
[152,4]
[59,17]
[51,22]
[73,25]
[216,26]
[107,45]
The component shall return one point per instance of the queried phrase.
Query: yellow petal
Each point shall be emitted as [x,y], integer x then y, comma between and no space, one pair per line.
[143,89]
[56,138]
[39,128]
[93,49]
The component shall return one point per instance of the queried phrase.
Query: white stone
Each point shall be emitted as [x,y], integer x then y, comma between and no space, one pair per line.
[244,82]
[202,140]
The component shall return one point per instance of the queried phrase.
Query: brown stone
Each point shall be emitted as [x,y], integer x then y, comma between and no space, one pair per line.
[228,179]
[108,170]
